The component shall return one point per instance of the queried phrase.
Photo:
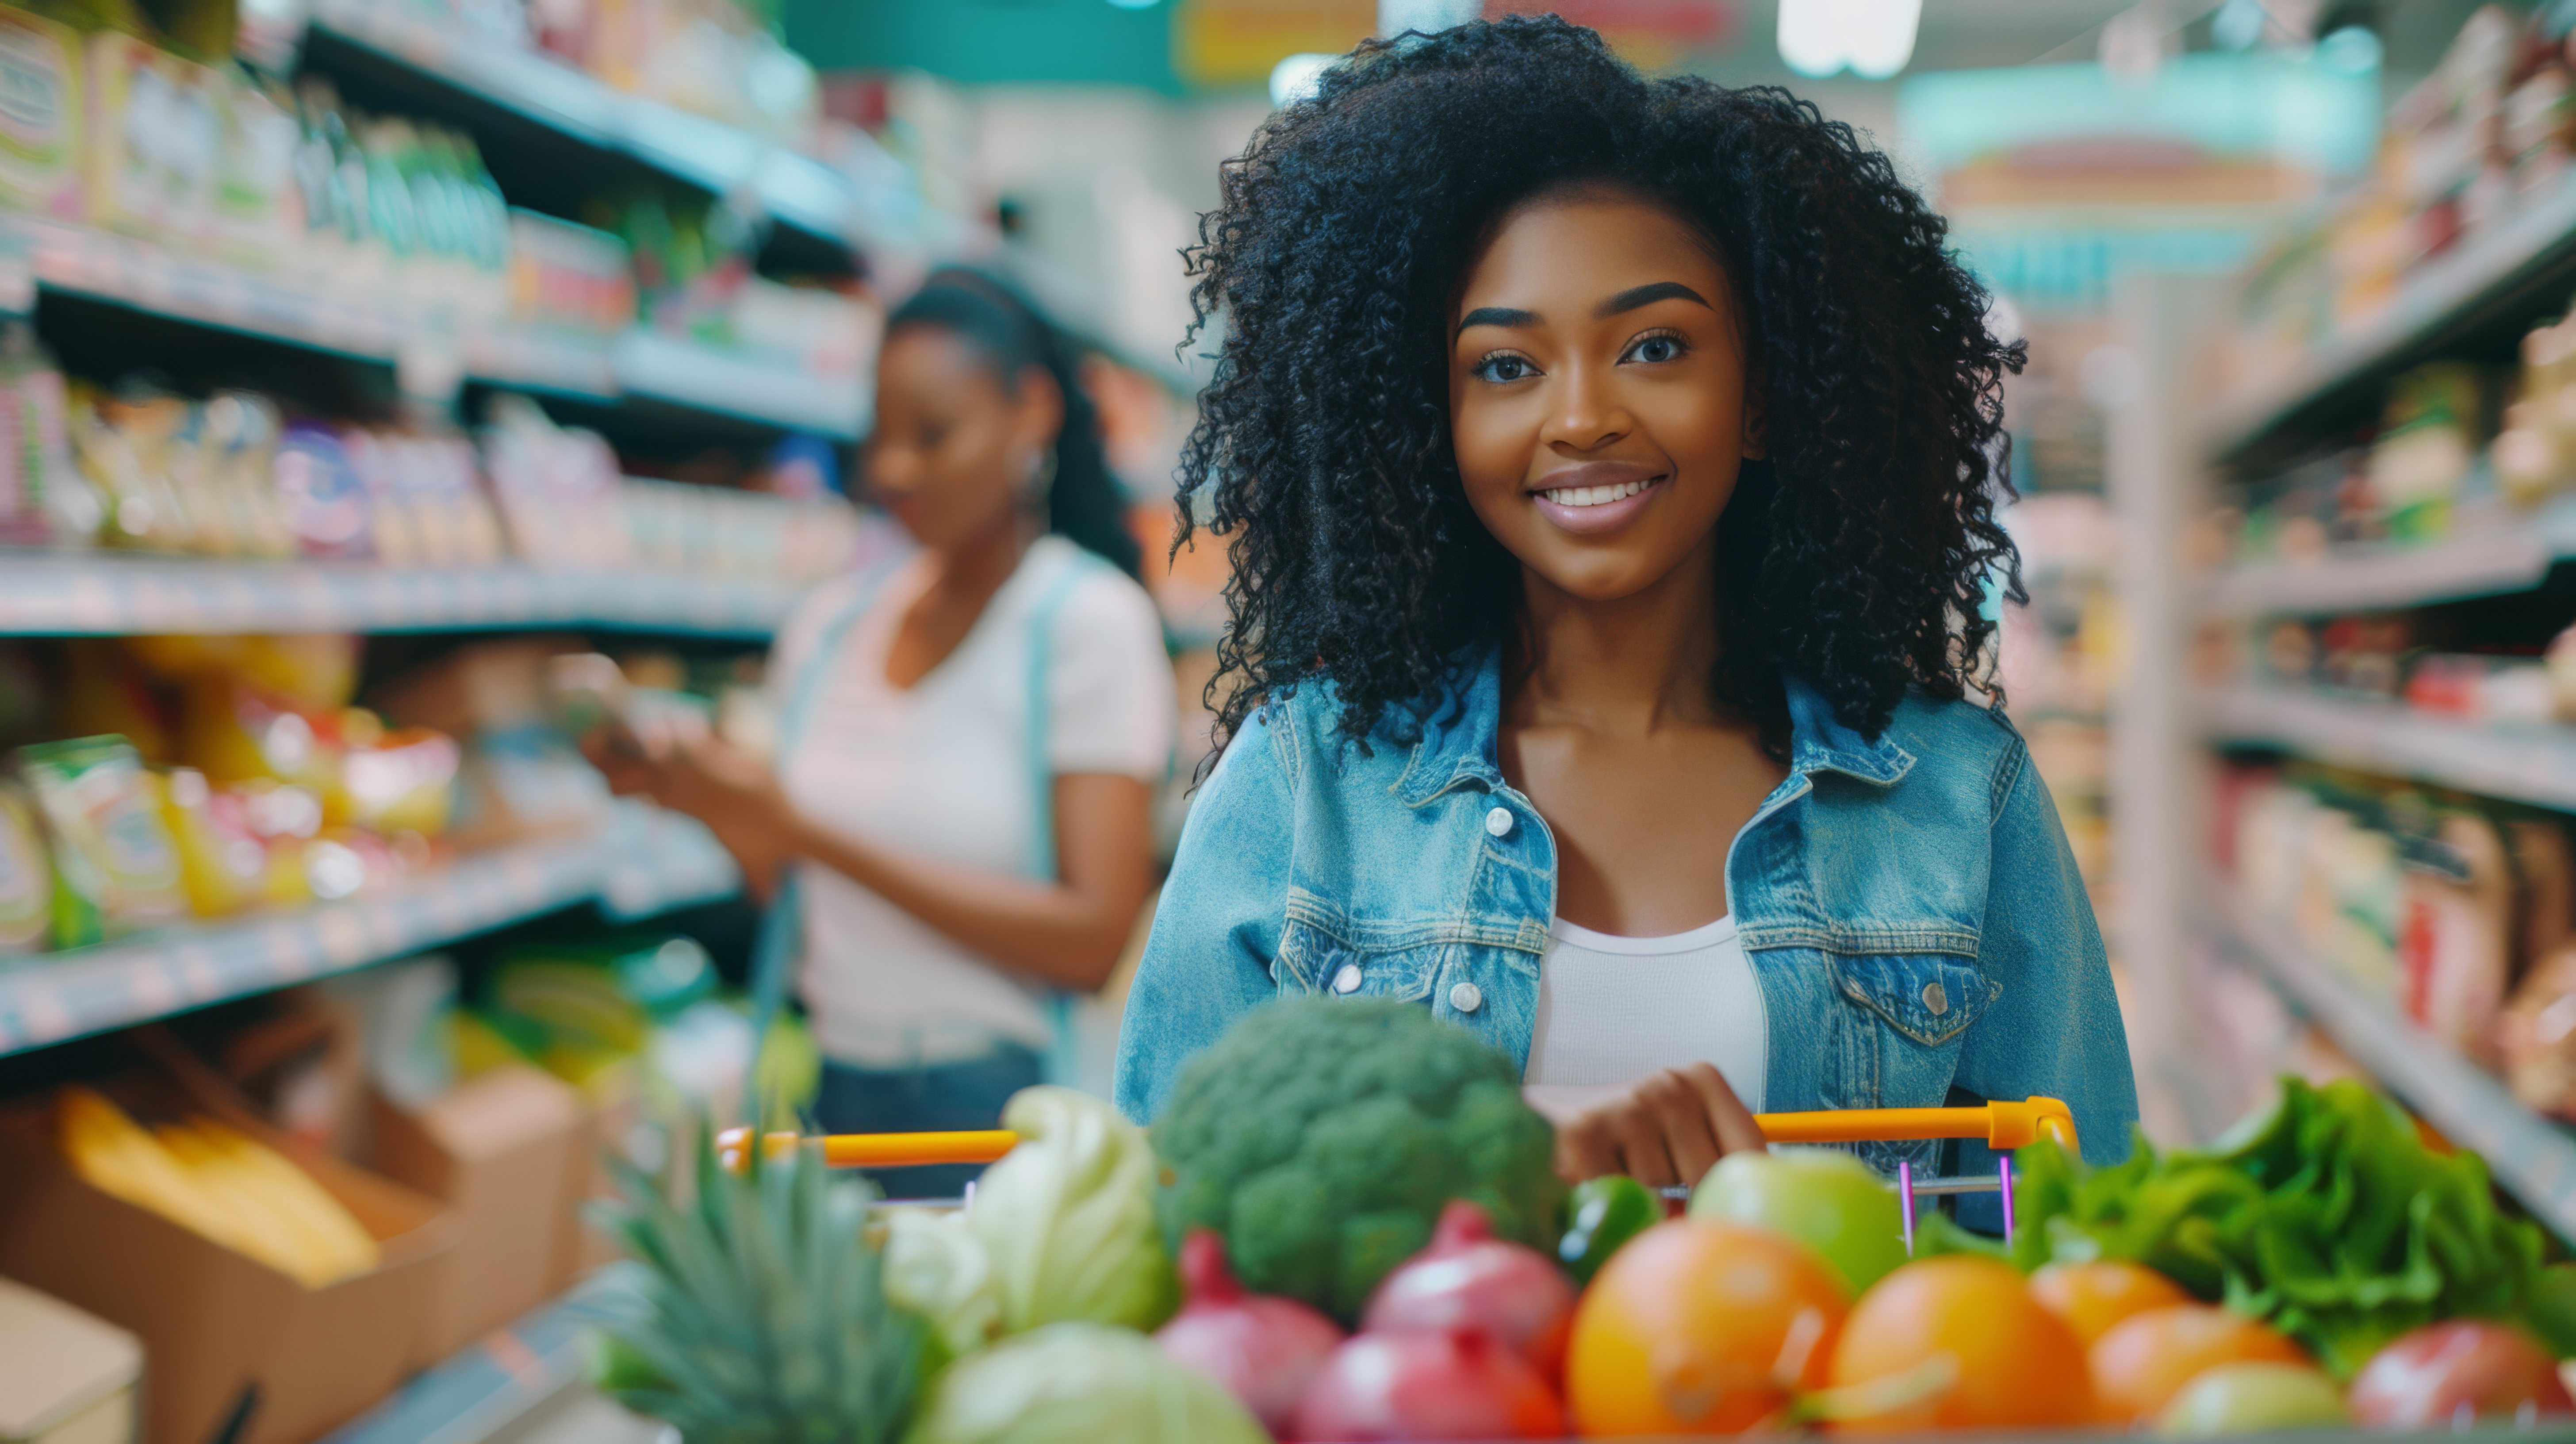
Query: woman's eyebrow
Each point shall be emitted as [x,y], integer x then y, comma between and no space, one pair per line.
[1647,295]
[1496,316]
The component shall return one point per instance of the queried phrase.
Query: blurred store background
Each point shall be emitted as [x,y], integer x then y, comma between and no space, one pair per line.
[356,356]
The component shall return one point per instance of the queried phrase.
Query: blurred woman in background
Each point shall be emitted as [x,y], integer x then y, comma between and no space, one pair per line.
[957,828]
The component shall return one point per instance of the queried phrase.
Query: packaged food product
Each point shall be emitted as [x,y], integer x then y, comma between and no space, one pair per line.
[2456,950]
[116,870]
[152,137]
[26,875]
[223,863]
[325,501]
[2536,1036]
[40,127]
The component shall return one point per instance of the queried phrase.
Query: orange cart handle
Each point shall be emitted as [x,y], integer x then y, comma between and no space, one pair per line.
[880,1150]
[2005,1126]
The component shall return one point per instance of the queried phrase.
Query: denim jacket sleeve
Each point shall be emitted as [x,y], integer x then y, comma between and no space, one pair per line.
[1216,930]
[2055,1029]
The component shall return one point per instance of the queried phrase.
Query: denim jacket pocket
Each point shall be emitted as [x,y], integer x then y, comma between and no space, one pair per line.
[1930,998]
[1900,1030]
[1321,951]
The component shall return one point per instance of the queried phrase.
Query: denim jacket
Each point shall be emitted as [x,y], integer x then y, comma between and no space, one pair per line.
[1908,905]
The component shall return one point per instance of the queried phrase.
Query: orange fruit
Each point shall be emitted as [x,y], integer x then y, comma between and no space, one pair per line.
[1957,1342]
[2146,1359]
[1699,1327]
[2091,1297]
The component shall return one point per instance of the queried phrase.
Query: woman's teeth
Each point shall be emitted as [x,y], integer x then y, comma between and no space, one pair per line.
[1595,495]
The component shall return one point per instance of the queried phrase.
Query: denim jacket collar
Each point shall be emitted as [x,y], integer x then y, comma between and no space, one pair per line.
[1460,744]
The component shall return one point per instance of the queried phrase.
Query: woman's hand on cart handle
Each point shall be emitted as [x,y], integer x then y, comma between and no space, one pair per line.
[1665,1131]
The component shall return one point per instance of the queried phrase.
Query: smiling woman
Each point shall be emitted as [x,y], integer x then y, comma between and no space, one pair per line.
[1610,468]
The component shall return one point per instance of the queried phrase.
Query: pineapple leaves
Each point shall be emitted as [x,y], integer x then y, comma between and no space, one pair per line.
[765,1319]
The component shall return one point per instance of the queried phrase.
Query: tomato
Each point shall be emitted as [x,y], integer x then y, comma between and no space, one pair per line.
[1829,1201]
[2091,1297]
[1701,1328]
[2143,1361]
[1957,1342]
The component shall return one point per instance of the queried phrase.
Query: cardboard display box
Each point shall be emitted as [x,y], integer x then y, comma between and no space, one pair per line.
[502,1150]
[223,1335]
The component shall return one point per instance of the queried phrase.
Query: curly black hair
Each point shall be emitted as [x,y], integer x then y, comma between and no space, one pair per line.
[1855,557]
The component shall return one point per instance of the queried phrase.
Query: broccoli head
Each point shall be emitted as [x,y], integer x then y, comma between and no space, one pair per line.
[1321,1138]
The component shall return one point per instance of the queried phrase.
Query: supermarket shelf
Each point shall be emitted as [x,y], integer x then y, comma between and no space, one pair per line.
[2532,1158]
[113,594]
[667,370]
[282,306]
[2530,249]
[2476,564]
[639,862]
[499,1379]
[709,154]
[2534,764]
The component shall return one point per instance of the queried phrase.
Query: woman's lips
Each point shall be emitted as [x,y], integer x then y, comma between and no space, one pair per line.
[1590,510]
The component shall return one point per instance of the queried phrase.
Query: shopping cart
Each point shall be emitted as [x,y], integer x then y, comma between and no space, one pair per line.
[2004,1126]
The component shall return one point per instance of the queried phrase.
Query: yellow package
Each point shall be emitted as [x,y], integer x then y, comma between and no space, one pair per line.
[223,864]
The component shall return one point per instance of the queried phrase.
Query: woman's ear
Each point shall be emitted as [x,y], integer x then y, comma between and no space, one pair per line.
[1038,410]
[1757,421]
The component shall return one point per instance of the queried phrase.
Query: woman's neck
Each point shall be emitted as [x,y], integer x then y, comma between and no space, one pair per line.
[1629,666]
[976,567]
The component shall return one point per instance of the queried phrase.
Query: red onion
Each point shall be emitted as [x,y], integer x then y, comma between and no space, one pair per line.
[1466,1278]
[1263,1348]
[2442,1375]
[1445,1385]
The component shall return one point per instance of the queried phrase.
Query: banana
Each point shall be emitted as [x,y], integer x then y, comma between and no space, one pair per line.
[219,1183]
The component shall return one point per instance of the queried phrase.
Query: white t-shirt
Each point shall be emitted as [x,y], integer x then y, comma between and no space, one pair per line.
[1612,1010]
[941,769]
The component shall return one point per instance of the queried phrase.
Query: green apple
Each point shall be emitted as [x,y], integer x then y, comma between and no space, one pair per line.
[1828,1200]
[2251,1397]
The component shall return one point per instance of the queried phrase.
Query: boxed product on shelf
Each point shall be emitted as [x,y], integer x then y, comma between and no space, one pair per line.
[559,488]
[505,1151]
[238,1349]
[66,1377]
[152,136]
[40,129]
[562,274]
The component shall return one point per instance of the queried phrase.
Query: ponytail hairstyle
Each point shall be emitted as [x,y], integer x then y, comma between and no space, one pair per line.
[1084,504]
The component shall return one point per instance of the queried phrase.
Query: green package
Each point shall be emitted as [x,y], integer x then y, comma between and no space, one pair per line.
[116,870]
[26,876]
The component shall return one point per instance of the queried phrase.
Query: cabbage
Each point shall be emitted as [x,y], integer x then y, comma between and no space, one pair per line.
[1078,1384]
[1067,1218]
[938,1270]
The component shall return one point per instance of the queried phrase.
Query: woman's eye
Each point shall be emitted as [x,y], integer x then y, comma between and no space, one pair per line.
[1505,368]
[1656,349]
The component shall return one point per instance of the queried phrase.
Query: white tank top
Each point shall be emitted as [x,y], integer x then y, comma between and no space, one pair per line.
[1612,1010]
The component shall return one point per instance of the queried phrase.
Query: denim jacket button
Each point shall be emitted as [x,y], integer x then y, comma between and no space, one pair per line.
[1466,997]
[1348,979]
[1499,822]
[1936,997]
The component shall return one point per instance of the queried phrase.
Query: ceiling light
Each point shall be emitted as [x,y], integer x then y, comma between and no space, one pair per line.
[1871,38]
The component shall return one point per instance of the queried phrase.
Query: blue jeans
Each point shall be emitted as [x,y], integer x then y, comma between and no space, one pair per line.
[936,1098]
